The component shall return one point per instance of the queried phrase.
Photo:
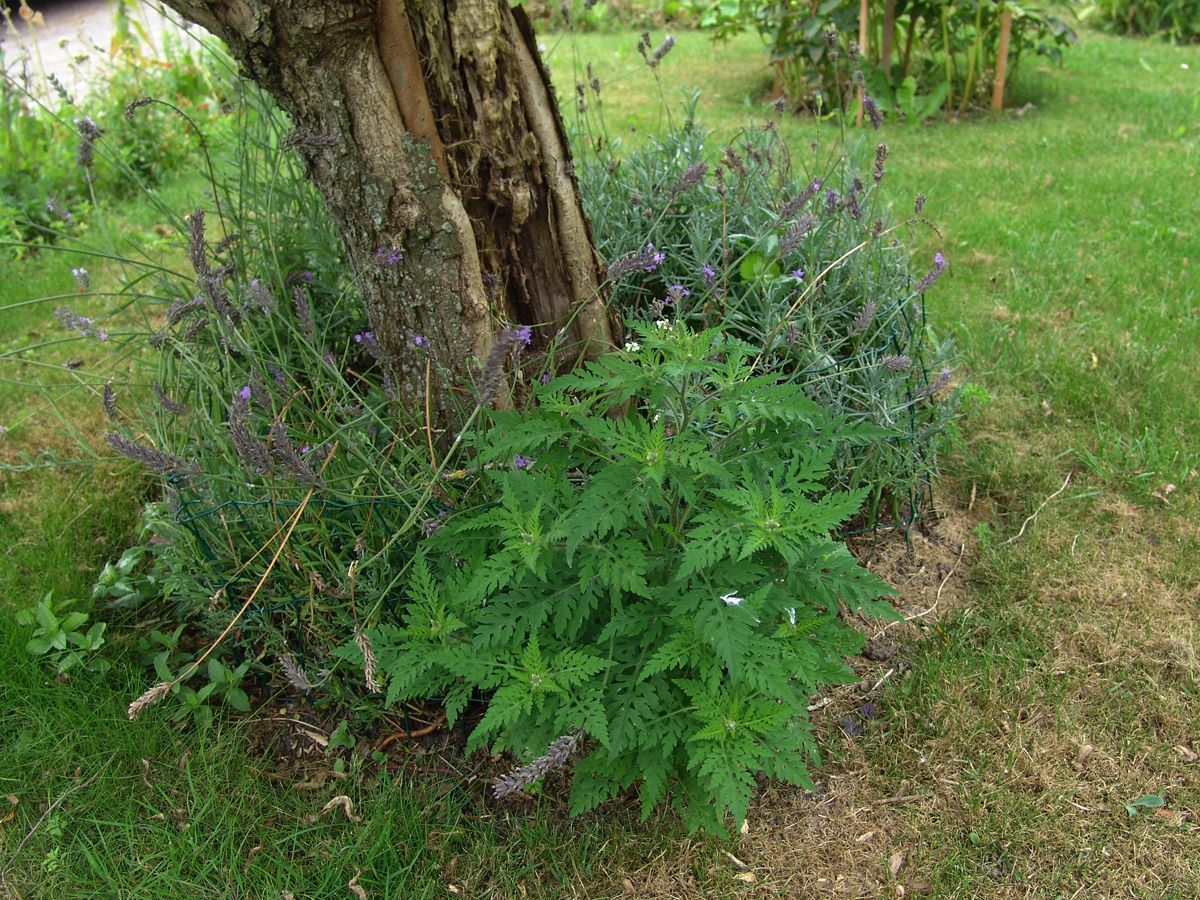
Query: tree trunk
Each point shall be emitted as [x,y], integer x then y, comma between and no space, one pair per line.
[429,126]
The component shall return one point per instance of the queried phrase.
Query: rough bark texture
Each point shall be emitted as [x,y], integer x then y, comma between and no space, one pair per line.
[429,126]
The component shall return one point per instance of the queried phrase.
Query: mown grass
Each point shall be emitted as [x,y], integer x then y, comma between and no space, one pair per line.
[1071,232]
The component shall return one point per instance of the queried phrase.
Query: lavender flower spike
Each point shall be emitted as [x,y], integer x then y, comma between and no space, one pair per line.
[936,386]
[647,260]
[287,456]
[509,339]
[557,755]
[927,280]
[158,461]
[174,407]
[863,320]
[251,452]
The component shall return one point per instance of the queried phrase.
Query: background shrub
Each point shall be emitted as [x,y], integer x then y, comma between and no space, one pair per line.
[1175,20]
[44,188]
[943,53]
[797,261]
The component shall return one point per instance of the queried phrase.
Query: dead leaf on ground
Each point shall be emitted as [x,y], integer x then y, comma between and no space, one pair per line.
[1187,754]
[355,888]
[250,856]
[896,863]
[1164,492]
[1171,816]
[1083,755]
[344,802]
[747,877]
[318,780]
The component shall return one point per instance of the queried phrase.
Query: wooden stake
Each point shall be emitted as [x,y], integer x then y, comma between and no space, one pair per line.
[1002,60]
[862,54]
[889,27]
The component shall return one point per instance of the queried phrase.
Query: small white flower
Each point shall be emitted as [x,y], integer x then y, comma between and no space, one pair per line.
[791,613]
[1184,66]
[542,48]
[632,346]
[732,600]
[663,324]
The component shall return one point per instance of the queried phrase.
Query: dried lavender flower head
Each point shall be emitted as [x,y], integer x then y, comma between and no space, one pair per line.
[881,155]
[864,318]
[134,105]
[89,133]
[872,110]
[557,754]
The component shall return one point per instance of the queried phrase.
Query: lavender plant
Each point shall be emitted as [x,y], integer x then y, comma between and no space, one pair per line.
[801,261]
[664,583]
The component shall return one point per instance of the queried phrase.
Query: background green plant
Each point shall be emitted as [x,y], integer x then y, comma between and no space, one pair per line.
[44,191]
[1174,20]
[943,53]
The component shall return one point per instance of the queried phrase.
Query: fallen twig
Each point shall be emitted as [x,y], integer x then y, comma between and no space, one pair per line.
[1034,515]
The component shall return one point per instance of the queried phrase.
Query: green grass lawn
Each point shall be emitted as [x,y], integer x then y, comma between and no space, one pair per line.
[1061,684]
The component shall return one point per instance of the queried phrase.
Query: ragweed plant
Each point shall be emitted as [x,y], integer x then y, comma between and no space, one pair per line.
[656,571]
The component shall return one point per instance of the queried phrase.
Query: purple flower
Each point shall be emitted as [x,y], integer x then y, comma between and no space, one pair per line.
[307,276]
[245,392]
[709,273]
[677,292]
[85,325]
[927,280]
[897,363]
[262,296]
[647,260]
[545,379]
[89,133]
[937,386]
[419,340]
[57,209]
[156,460]
[798,274]
[386,256]
[523,335]
[872,110]
[794,205]
[81,278]
[690,178]
[522,462]
[797,233]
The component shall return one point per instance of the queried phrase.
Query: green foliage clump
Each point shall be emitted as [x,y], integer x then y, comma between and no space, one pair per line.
[48,179]
[799,261]
[942,54]
[609,15]
[1174,20]
[59,637]
[656,570]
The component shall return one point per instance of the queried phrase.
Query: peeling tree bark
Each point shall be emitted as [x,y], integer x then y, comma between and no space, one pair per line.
[429,126]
